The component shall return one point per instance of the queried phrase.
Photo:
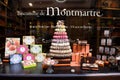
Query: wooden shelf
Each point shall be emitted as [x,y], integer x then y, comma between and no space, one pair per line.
[109,27]
[113,18]
[1,25]
[4,5]
[2,48]
[2,36]
[2,16]
[11,25]
[18,28]
[12,20]
[111,9]
[115,36]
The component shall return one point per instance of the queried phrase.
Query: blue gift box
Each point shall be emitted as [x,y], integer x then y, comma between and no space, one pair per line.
[15,58]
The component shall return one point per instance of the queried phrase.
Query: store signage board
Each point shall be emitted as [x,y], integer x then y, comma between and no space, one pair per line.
[36,49]
[15,58]
[28,40]
[22,49]
[11,45]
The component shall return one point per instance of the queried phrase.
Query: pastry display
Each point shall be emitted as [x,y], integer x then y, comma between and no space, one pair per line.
[89,66]
[61,52]
[118,56]
[49,61]
[60,40]
[60,46]
[99,62]
[111,59]
[11,45]
[60,55]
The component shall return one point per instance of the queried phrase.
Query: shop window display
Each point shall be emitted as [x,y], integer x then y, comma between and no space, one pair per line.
[60,46]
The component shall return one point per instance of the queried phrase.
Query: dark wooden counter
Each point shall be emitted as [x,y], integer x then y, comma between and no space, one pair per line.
[17,71]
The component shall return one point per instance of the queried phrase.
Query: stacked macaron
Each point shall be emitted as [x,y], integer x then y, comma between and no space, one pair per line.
[60,46]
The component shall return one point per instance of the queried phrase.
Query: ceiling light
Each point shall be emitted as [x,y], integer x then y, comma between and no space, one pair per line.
[30,4]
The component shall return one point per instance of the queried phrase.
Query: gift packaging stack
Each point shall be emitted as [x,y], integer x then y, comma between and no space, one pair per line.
[27,53]
[106,50]
[80,50]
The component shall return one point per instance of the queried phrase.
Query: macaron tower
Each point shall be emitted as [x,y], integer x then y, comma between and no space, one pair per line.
[60,45]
